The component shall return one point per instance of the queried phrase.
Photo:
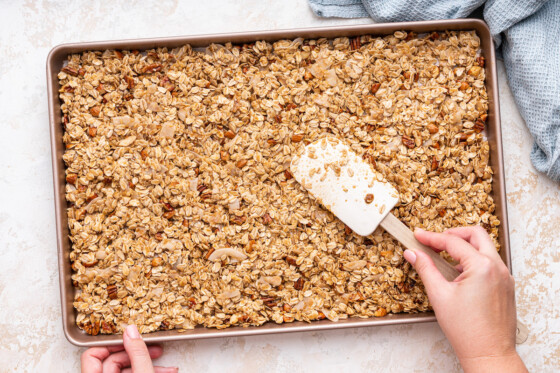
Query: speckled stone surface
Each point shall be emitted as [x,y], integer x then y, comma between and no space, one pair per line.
[31,338]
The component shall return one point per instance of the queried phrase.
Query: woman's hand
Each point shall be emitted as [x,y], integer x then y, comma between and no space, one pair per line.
[136,357]
[477,310]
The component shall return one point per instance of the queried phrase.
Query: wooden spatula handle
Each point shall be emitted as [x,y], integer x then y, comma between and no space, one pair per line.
[405,236]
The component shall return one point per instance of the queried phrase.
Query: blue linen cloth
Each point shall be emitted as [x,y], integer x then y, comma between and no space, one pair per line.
[528,33]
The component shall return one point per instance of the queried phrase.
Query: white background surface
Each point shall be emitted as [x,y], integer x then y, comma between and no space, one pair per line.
[31,338]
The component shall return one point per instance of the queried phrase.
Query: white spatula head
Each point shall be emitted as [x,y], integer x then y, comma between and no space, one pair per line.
[345,184]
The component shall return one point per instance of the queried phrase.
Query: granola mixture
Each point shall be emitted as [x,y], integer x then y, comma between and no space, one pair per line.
[181,207]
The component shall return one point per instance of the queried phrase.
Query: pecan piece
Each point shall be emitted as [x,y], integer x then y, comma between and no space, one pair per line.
[267,219]
[347,230]
[152,68]
[95,111]
[442,213]
[70,70]
[380,312]
[241,163]
[432,128]
[375,87]
[112,291]
[434,35]
[159,236]
[478,126]
[129,82]
[239,220]
[298,285]
[435,163]
[185,223]
[291,260]
[229,134]
[271,142]
[270,301]
[71,178]
[355,43]
[481,61]
[224,156]
[408,142]
[288,175]
[92,131]
[169,214]
[369,198]
[297,138]
[91,197]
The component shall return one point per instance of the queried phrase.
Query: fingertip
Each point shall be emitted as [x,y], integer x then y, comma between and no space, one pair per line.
[410,256]
[132,332]
[155,351]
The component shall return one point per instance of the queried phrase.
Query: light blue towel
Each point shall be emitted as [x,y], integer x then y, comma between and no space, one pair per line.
[528,32]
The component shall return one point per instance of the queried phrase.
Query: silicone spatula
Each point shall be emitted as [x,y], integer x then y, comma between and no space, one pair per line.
[358,195]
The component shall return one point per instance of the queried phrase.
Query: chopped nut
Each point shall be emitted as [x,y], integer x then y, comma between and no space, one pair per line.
[464,86]
[224,156]
[288,175]
[239,220]
[475,71]
[129,82]
[271,142]
[432,128]
[229,134]
[408,142]
[374,88]
[112,291]
[185,223]
[169,214]
[267,219]
[298,285]
[152,68]
[241,163]
[480,61]
[95,111]
[71,178]
[157,261]
[91,197]
[479,126]
[369,198]
[355,43]
[291,260]
[70,70]
[297,138]
[380,312]
[435,163]
[92,131]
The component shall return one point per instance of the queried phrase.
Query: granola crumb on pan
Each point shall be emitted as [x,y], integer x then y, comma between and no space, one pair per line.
[181,207]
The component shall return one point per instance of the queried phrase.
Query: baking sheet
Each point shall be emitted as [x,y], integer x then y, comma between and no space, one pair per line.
[55,62]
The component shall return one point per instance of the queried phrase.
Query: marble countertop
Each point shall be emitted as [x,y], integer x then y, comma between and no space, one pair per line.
[31,337]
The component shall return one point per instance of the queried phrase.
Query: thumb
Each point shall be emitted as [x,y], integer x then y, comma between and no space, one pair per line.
[137,351]
[433,280]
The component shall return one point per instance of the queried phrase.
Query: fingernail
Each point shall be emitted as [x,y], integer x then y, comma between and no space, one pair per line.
[418,230]
[410,256]
[132,332]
